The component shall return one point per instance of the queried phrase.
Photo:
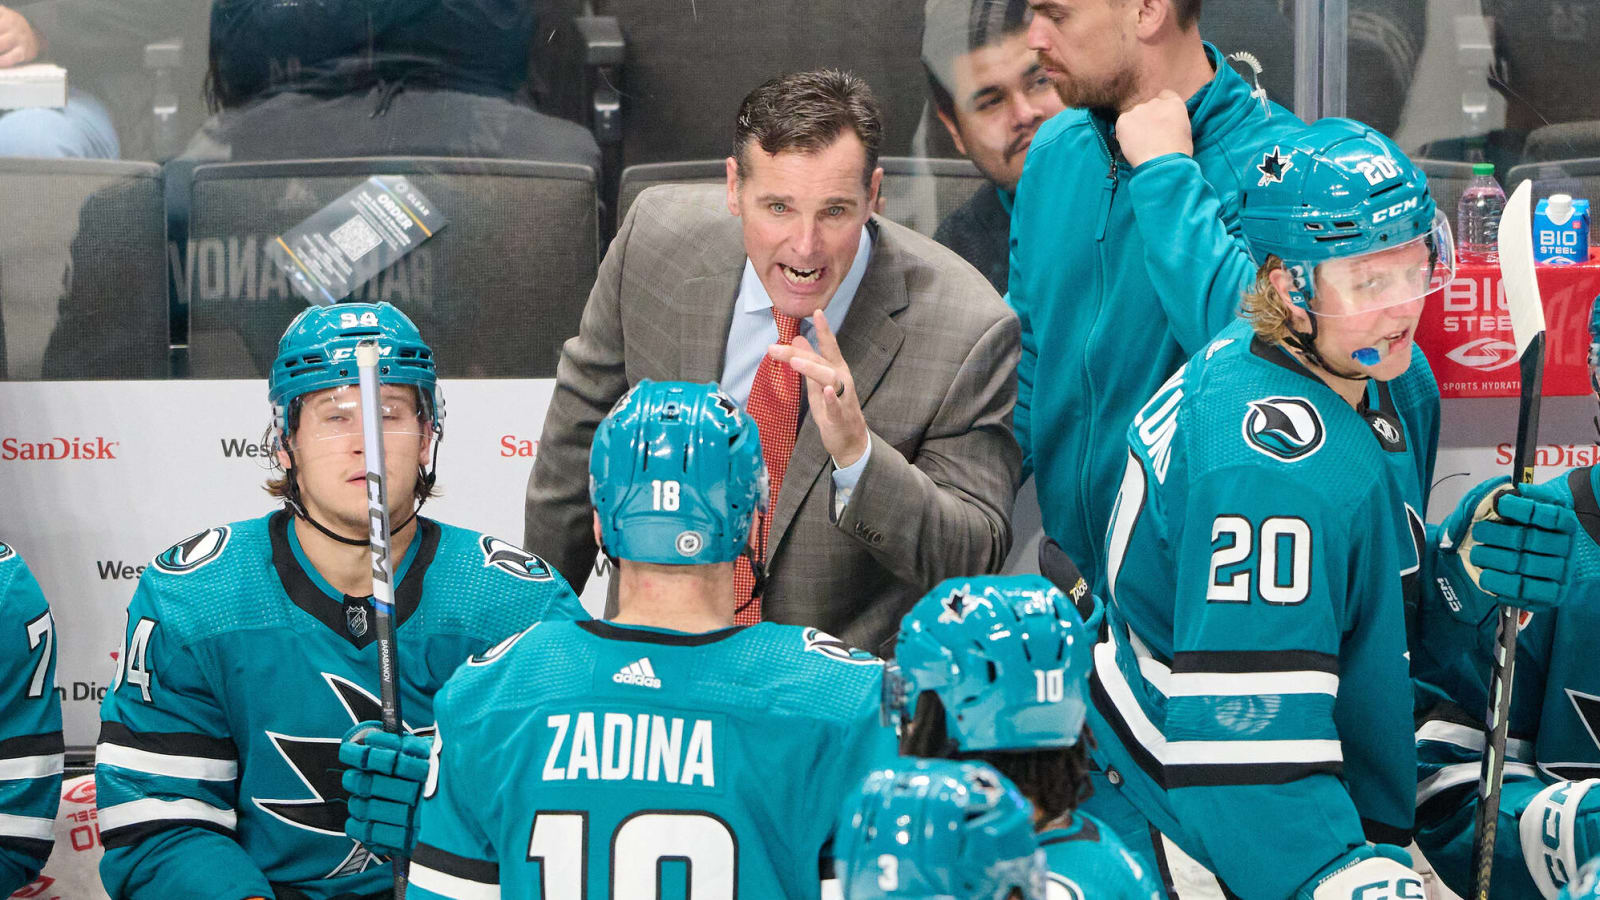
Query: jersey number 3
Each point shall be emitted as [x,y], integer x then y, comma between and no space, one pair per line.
[644,840]
[1283,573]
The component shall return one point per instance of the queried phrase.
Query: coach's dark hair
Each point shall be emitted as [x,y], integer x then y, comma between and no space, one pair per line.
[1055,780]
[806,112]
[1188,11]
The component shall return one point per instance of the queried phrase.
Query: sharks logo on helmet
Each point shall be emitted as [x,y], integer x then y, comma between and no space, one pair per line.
[514,560]
[193,552]
[1273,167]
[1287,428]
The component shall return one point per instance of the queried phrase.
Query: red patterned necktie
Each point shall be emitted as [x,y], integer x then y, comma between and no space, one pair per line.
[775,405]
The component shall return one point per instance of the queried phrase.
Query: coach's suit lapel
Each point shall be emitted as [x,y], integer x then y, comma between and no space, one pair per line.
[705,310]
[868,339]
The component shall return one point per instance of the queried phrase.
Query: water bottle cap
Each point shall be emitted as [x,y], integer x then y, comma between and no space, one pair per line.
[1483,168]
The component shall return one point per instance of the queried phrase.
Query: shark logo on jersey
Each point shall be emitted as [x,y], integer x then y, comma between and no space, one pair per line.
[6,552]
[514,560]
[193,552]
[1287,428]
[315,761]
[819,641]
[498,650]
[959,604]
[1060,887]
[1587,707]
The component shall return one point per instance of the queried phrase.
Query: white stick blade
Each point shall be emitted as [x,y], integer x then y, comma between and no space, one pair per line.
[1516,267]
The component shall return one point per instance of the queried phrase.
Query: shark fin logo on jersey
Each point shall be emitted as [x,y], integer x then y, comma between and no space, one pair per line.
[1273,167]
[1286,428]
[1062,888]
[193,552]
[819,641]
[499,650]
[6,552]
[315,762]
[514,560]
[1587,708]
[958,604]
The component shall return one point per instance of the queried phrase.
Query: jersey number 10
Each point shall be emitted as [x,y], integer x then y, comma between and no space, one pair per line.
[641,842]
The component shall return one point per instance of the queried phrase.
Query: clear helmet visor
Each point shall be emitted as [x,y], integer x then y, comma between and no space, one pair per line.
[330,422]
[1382,279]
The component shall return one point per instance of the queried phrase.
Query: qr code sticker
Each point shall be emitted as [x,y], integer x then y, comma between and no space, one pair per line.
[355,238]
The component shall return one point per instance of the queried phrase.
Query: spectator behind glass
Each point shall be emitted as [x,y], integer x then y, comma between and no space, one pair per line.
[81,129]
[347,78]
[991,94]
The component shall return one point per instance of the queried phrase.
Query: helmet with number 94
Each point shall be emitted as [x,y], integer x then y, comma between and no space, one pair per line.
[1008,657]
[676,475]
[318,351]
[1339,190]
[938,829]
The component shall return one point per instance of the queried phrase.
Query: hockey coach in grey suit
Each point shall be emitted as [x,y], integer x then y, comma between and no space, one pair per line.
[904,467]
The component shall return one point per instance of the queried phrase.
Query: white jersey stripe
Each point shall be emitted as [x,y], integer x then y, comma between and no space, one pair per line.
[153,809]
[1189,753]
[200,768]
[1121,694]
[447,885]
[1463,773]
[30,827]
[1468,738]
[20,767]
[1242,684]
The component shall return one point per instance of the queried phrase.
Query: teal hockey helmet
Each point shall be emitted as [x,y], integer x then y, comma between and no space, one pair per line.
[1585,885]
[1339,190]
[675,473]
[938,830]
[1008,657]
[318,351]
[1594,350]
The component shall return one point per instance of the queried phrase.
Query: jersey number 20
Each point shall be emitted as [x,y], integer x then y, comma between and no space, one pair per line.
[1283,573]
[639,845]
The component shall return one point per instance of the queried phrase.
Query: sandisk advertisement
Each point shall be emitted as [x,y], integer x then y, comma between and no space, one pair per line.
[1466,331]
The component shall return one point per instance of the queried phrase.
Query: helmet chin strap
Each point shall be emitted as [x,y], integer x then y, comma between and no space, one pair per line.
[294,502]
[758,568]
[1306,343]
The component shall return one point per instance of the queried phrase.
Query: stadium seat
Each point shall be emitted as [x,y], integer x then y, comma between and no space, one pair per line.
[918,193]
[1578,177]
[1446,180]
[497,290]
[684,74]
[82,270]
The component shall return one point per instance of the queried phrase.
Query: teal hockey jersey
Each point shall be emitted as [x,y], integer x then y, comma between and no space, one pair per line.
[1251,691]
[217,767]
[1554,729]
[591,760]
[30,725]
[1088,862]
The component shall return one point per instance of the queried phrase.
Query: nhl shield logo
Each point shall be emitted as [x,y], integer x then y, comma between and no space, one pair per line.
[193,552]
[1286,428]
[514,560]
[355,618]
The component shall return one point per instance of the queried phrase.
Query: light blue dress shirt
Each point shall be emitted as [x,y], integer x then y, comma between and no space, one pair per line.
[753,331]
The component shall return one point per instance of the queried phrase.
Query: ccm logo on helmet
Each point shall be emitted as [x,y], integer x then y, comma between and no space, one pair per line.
[340,354]
[1395,210]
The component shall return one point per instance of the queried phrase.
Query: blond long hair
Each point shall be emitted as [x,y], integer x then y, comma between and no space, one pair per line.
[1267,311]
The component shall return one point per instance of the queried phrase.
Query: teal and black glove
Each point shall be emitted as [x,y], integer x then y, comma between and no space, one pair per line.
[385,783]
[1514,546]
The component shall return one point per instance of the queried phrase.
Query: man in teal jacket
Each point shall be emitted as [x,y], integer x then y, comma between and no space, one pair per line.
[1126,249]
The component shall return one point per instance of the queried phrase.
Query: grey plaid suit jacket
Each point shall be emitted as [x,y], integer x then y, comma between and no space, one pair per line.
[933,351]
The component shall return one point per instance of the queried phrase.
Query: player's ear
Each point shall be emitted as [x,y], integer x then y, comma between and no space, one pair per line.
[596,517]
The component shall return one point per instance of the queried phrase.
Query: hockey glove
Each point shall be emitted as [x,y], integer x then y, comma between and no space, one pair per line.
[1515,547]
[385,783]
[1357,875]
[1560,829]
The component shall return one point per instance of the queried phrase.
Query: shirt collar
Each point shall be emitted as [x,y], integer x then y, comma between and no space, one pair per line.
[754,299]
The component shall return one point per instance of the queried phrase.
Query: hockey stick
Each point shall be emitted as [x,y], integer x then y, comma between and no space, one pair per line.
[1527,325]
[380,540]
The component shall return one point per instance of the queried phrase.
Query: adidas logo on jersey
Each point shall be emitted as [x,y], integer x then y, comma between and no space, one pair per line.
[638,673]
